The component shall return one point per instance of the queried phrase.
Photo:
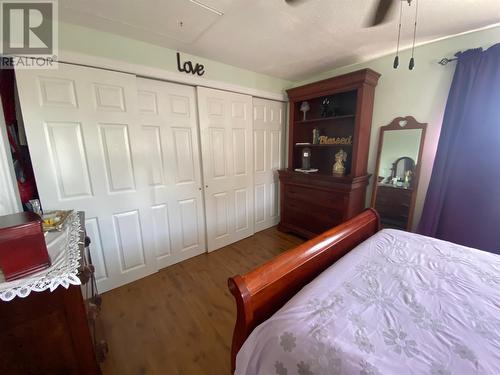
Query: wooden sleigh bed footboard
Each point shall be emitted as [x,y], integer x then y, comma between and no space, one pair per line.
[264,290]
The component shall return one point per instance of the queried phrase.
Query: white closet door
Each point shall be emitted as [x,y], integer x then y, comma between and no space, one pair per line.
[168,119]
[268,130]
[226,137]
[84,137]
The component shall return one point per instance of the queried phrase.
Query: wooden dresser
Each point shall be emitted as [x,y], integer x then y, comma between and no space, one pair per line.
[314,202]
[393,205]
[54,332]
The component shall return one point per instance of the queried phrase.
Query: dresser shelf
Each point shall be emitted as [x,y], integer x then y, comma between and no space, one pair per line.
[324,119]
[323,145]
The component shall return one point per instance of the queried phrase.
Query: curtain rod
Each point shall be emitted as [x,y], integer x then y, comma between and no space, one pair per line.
[446,60]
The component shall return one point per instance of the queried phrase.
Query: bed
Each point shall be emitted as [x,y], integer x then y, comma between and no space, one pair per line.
[360,300]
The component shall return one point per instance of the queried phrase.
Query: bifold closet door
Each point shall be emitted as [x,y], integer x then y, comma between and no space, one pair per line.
[268,130]
[227,154]
[86,146]
[168,119]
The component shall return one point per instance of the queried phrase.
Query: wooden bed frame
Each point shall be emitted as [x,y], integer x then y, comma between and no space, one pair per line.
[263,291]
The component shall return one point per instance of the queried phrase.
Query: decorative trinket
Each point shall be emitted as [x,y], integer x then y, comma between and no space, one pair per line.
[304,108]
[315,136]
[338,167]
[306,158]
[327,107]
[324,140]
[408,178]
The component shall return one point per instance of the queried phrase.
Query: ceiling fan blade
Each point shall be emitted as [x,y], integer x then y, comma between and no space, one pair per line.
[294,2]
[381,12]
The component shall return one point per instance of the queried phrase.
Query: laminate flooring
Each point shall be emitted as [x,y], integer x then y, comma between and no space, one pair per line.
[180,320]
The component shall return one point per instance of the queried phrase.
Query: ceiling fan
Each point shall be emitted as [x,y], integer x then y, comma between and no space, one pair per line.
[382,10]
[379,14]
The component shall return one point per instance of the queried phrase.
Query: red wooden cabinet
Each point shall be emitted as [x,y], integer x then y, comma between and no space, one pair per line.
[314,202]
[54,332]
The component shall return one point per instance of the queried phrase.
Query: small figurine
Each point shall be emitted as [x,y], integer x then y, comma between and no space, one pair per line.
[304,108]
[408,178]
[327,107]
[315,136]
[339,168]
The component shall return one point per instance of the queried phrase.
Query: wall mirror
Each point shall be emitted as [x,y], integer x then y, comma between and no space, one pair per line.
[397,171]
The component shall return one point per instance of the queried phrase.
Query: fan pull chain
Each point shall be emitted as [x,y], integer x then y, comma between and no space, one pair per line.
[396,59]
[411,65]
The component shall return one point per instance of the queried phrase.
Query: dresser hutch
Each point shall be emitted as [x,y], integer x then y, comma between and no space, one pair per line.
[338,116]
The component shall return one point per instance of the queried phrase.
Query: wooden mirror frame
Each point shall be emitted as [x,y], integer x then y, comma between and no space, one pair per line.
[411,123]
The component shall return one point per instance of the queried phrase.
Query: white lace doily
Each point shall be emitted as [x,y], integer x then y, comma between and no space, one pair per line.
[64,251]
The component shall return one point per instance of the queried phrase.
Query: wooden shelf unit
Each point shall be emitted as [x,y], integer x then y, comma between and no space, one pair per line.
[313,203]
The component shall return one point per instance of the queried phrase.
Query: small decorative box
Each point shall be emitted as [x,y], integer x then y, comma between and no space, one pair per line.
[22,245]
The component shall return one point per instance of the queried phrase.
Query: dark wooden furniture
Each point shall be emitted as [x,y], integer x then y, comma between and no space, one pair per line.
[261,292]
[396,205]
[393,205]
[51,332]
[312,203]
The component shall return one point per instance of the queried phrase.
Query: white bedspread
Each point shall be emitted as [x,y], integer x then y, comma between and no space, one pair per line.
[399,303]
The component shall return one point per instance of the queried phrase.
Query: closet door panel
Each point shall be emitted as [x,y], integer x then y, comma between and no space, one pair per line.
[268,130]
[220,208]
[260,203]
[129,240]
[184,156]
[161,231]
[227,149]
[241,209]
[168,116]
[87,152]
[69,159]
[189,224]
[154,153]
[96,249]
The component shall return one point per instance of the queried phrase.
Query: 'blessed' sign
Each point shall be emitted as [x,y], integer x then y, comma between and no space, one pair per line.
[187,67]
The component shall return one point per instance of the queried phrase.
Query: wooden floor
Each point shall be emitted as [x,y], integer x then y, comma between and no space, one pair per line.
[180,320]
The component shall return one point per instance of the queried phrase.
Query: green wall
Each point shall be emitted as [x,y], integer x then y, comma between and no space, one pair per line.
[93,42]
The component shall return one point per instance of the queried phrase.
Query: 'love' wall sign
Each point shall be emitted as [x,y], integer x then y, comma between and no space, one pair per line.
[187,67]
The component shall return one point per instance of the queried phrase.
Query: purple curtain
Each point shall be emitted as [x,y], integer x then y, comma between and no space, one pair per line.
[463,201]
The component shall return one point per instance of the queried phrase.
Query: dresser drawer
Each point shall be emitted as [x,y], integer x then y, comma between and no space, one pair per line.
[314,203]
[312,217]
[315,196]
[392,211]
[393,195]
[393,203]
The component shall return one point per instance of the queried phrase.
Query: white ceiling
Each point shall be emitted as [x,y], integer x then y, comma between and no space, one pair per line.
[272,37]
